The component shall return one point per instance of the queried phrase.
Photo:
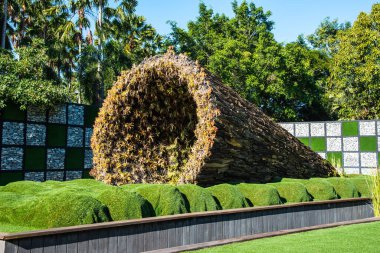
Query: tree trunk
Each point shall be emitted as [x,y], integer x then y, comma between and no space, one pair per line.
[81,17]
[80,41]
[100,94]
[169,120]
[4,24]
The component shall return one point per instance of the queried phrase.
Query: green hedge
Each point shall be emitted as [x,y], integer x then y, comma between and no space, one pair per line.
[198,199]
[291,192]
[26,205]
[55,209]
[165,199]
[260,194]
[121,204]
[80,183]
[363,185]
[228,196]
[343,187]
[319,189]
[25,187]
[124,205]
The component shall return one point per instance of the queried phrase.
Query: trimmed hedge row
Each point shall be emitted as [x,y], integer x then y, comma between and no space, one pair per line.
[27,205]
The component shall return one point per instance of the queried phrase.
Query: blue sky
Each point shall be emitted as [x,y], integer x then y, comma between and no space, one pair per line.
[291,17]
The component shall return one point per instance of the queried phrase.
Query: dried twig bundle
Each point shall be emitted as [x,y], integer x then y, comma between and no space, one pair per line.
[168,120]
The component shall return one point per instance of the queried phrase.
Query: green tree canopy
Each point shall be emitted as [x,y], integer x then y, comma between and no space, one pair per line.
[86,66]
[284,81]
[354,85]
[325,37]
[28,80]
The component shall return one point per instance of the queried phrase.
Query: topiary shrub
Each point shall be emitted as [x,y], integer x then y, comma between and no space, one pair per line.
[56,209]
[83,183]
[12,228]
[357,175]
[260,194]
[343,187]
[165,199]
[319,189]
[364,185]
[292,192]
[228,196]
[24,187]
[286,179]
[31,187]
[68,209]
[14,208]
[124,205]
[198,198]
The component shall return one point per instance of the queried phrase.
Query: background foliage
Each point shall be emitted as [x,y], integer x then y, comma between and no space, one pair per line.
[354,85]
[86,43]
[330,74]
[29,81]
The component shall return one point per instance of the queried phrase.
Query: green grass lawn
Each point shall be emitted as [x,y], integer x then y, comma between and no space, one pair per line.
[353,238]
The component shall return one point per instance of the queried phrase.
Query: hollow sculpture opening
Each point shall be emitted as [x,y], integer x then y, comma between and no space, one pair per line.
[168,120]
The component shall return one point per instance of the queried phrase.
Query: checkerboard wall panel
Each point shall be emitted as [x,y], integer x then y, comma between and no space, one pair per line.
[353,146]
[38,144]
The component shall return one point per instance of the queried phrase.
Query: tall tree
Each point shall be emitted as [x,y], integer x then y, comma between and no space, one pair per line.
[127,40]
[4,24]
[130,32]
[100,4]
[354,85]
[28,80]
[305,73]
[83,9]
[325,37]
[61,24]
[243,52]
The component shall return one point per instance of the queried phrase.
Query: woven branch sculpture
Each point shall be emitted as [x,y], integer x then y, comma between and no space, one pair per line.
[168,120]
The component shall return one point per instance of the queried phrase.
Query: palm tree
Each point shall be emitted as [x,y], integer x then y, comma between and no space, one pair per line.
[82,8]
[10,12]
[100,4]
[138,38]
[4,24]
[21,19]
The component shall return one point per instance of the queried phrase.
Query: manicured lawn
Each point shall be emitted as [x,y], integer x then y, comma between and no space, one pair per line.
[354,238]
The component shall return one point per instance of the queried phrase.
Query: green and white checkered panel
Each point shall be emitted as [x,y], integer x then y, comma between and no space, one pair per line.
[44,145]
[353,146]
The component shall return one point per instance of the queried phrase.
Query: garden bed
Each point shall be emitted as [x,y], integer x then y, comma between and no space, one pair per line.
[146,234]
[27,205]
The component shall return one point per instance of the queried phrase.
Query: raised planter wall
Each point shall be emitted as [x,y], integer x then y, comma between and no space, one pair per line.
[185,229]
